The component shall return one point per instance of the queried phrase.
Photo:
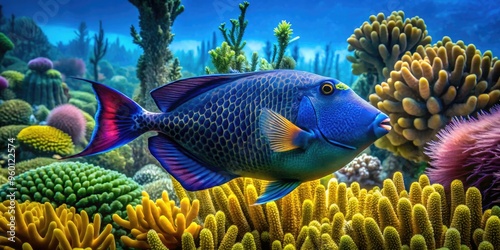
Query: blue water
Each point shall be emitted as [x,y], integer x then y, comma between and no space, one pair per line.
[316,22]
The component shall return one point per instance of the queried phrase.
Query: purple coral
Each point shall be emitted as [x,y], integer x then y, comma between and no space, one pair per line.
[71,66]
[40,64]
[69,119]
[3,83]
[469,150]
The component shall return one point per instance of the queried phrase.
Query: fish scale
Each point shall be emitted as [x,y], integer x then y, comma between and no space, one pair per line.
[203,125]
[285,126]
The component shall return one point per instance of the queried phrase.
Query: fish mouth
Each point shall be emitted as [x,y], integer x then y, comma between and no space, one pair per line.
[386,124]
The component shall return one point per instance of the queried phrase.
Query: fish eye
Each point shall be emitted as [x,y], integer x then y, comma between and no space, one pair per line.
[327,88]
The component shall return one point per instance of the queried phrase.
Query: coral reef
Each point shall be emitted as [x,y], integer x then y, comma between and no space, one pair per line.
[378,44]
[80,185]
[43,85]
[40,226]
[45,141]
[364,169]
[71,66]
[429,87]
[70,120]
[15,112]
[169,222]
[156,188]
[41,113]
[315,217]
[468,150]
[119,159]
[7,132]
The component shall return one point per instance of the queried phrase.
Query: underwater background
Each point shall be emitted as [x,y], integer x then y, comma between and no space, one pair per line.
[431,66]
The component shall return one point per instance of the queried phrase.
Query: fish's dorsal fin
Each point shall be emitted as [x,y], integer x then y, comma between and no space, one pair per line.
[276,190]
[192,175]
[170,96]
[282,134]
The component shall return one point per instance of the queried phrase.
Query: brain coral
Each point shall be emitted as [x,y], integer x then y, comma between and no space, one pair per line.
[425,90]
[15,112]
[80,185]
[40,64]
[469,150]
[70,120]
[378,44]
[45,141]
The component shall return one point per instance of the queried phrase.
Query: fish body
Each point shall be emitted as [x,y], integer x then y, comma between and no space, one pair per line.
[285,126]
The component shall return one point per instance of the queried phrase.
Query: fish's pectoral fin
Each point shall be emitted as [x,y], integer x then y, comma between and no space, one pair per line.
[276,190]
[282,134]
[190,173]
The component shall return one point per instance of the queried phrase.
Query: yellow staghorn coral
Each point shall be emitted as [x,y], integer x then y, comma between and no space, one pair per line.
[45,141]
[378,44]
[428,88]
[369,217]
[170,222]
[40,226]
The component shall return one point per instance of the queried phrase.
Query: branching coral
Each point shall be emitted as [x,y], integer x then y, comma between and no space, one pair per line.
[45,141]
[378,44]
[169,222]
[429,87]
[83,186]
[342,216]
[473,145]
[40,226]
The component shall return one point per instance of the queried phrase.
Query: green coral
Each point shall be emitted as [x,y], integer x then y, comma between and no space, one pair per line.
[24,166]
[222,57]
[41,113]
[83,96]
[80,185]
[5,45]
[14,78]
[8,132]
[15,112]
[119,159]
[283,33]
[45,141]
[44,88]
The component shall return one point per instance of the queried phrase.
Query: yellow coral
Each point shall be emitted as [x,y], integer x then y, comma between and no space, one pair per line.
[429,87]
[45,140]
[169,221]
[40,226]
[380,43]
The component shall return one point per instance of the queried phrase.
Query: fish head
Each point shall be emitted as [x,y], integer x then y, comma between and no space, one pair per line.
[342,117]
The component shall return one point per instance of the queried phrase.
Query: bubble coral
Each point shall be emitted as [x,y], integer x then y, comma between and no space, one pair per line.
[468,150]
[70,120]
[80,185]
[40,226]
[378,44]
[45,141]
[15,112]
[430,87]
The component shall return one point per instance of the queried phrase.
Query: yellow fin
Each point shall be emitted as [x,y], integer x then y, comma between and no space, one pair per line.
[280,131]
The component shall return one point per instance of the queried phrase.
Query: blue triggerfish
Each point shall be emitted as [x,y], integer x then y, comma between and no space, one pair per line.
[285,126]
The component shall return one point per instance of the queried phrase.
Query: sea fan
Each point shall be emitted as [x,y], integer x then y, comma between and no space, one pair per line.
[469,150]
